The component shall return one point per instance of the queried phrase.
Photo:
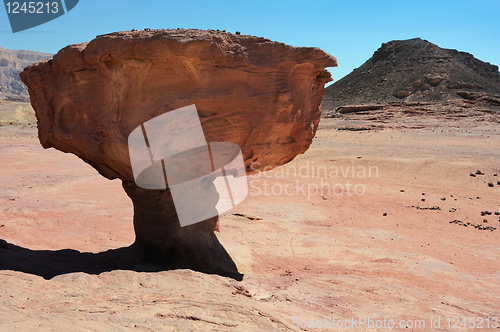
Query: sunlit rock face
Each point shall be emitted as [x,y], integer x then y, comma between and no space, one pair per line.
[263,96]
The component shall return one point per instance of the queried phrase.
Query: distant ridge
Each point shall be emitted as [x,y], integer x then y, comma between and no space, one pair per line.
[11,64]
[414,70]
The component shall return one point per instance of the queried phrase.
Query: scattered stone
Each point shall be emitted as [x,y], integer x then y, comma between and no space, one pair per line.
[485,220]
[476,226]
[498,183]
[487,212]
[478,172]
[422,199]
[248,216]
[423,193]
[495,174]
[385,214]
[402,191]
[452,196]
[478,197]
[497,213]
[443,199]
[470,197]
[324,197]
[242,291]
[428,208]
[453,209]
[472,174]
[490,184]
[354,128]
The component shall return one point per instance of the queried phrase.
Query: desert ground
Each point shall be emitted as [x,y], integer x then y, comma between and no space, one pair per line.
[357,230]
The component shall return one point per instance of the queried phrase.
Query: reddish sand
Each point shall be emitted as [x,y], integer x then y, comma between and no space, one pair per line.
[306,255]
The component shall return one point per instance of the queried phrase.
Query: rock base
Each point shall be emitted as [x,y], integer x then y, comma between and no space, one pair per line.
[162,242]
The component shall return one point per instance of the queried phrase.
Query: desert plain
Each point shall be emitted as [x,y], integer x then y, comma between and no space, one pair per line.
[354,234]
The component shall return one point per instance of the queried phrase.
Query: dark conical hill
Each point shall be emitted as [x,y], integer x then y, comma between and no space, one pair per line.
[413,70]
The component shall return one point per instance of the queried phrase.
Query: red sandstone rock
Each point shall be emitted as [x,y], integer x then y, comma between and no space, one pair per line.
[263,96]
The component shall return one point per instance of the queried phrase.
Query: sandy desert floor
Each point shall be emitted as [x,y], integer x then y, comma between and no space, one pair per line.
[314,246]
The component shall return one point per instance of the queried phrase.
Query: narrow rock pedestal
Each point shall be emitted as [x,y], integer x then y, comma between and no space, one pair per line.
[161,241]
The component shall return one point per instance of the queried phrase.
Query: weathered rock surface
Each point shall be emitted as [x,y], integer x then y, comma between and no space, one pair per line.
[263,96]
[413,70]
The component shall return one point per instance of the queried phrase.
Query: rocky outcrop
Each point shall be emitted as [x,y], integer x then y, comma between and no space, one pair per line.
[481,98]
[261,95]
[476,106]
[358,108]
[413,70]
[426,83]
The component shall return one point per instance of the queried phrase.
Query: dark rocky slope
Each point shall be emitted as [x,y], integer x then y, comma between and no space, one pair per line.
[413,71]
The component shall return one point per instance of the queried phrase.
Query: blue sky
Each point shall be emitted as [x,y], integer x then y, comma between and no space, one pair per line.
[349,30]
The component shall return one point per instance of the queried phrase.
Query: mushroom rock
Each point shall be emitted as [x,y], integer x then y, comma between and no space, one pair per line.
[261,95]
